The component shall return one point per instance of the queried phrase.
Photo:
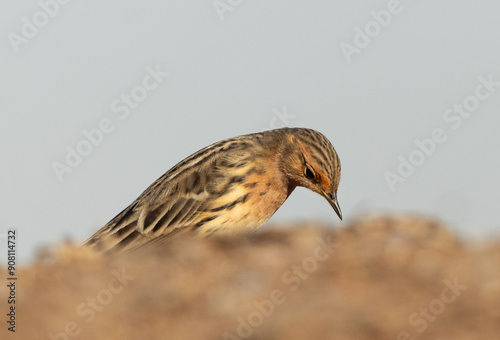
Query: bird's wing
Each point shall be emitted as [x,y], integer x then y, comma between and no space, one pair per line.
[176,202]
[162,210]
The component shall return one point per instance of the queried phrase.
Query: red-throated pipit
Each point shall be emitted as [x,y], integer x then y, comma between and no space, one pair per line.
[233,185]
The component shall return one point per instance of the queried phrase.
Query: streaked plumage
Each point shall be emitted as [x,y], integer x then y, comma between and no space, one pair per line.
[232,185]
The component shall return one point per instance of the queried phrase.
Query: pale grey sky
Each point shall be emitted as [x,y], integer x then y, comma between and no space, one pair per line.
[164,79]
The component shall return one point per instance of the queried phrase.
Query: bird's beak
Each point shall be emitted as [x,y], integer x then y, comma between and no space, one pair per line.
[332,199]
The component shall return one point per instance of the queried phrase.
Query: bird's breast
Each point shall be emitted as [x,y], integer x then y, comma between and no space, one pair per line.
[248,204]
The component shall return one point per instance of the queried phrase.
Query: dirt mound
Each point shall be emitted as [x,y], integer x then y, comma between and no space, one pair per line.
[379,278]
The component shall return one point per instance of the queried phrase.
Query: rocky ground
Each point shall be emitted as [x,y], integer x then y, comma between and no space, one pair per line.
[378,278]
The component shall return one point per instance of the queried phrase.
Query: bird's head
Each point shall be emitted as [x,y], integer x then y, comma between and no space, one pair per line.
[309,160]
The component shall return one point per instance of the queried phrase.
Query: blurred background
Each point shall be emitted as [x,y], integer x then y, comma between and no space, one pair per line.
[100,99]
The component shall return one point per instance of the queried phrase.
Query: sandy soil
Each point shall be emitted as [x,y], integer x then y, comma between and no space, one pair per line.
[379,278]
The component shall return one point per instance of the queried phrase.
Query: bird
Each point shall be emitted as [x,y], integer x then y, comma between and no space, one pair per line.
[230,186]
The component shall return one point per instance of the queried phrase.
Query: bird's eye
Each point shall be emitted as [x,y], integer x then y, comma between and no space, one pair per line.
[309,172]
